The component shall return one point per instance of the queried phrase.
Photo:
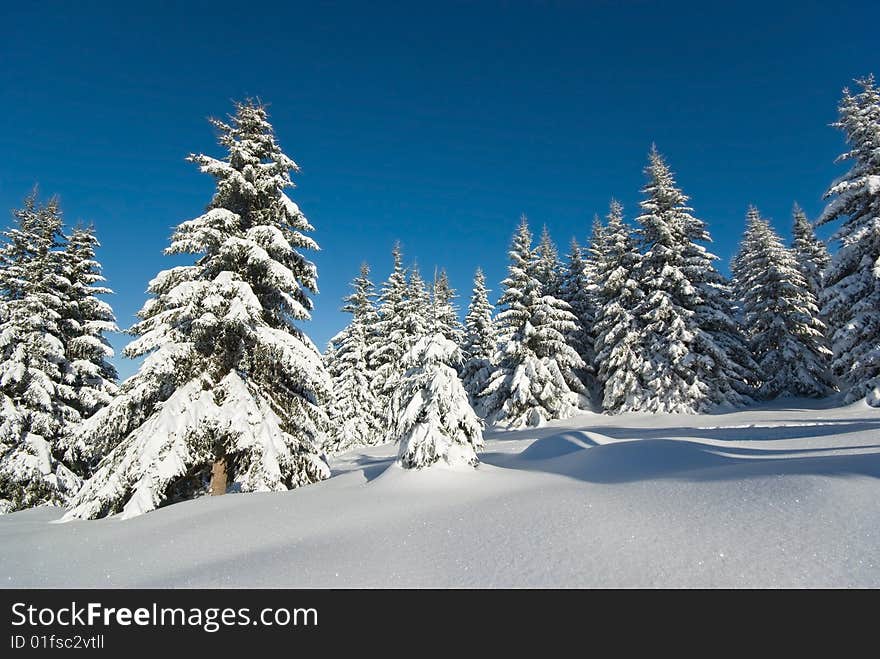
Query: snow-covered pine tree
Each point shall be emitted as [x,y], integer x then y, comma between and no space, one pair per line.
[417,314]
[444,312]
[388,342]
[546,266]
[688,337]
[575,290]
[851,297]
[435,422]
[721,346]
[591,255]
[592,250]
[785,334]
[811,253]
[411,321]
[85,319]
[328,358]
[230,384]
[533,378]
[356,416]
[480,342]
[616,332]
[36,400]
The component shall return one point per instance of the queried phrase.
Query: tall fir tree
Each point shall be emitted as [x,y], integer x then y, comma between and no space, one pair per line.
[38,399]
[480,341]
[811,253]
[546,265]
[357,415]
[721,346]
[435,422]
[328,358]
[547,269]
[85,320]
[411,320]
[616,331]
[592,256]
[444,312]
[520,286]
[231,388]
[592,251]
[575,290]
[417,315]
[532,381]
[785,334]
[388,342]
[851,297]
[694,357]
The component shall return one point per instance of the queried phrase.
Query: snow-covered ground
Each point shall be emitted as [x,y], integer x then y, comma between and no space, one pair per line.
[782,495]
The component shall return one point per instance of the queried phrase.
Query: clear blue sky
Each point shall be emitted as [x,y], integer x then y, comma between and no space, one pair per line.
[438,125]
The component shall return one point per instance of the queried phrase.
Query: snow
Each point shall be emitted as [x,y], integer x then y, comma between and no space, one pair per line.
[167,444]
[781,495]
[436,422]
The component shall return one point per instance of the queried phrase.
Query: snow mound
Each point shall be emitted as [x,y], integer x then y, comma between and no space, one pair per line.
[782,496]
[565,443]
[439,475]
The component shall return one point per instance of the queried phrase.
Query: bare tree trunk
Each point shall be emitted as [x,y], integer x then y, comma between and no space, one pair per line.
[218,476]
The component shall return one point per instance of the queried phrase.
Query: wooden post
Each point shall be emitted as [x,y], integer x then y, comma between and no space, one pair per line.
[218,476]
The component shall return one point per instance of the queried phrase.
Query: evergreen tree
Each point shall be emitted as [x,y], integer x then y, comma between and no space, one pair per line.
[435,421]
[21,244]
[721,346]
[851,296]
[811,253]
[388,341]
[328,358]
[616,331]
[520,286]
[411,320]
[417,315]
[786,336]
[443,309]
[532,382]
[575,291]
[690,344]
[480,341]
[38,401]
[547,269]
[85,319]
[230,384]
[592,256]
[546,266]
[356,415]
[593,251]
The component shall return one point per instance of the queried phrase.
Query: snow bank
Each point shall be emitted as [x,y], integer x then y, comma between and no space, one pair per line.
[782,496]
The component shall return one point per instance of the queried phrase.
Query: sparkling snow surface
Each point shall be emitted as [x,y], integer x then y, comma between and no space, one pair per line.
[782,495]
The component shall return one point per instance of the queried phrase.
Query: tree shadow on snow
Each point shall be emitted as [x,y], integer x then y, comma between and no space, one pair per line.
[573,455]
[370,466]
[756,431]
[750,432]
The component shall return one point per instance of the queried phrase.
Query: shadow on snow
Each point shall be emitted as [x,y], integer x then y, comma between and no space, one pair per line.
[577,455]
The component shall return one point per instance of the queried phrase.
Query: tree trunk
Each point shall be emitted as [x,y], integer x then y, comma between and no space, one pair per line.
[218,476]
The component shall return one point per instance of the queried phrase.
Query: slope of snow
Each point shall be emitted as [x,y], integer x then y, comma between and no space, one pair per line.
[777,496]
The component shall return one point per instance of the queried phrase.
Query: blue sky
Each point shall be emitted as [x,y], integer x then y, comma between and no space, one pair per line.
[436,125]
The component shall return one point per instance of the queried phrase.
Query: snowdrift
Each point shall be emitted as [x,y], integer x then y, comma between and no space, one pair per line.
[782,496]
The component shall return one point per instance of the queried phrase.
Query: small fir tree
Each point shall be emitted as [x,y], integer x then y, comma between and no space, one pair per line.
[436,423]
[357,415]
[480,341]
